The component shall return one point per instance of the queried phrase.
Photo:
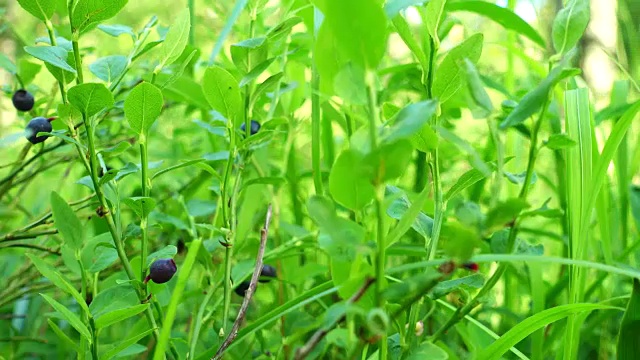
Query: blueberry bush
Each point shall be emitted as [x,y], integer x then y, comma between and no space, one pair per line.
[317,179]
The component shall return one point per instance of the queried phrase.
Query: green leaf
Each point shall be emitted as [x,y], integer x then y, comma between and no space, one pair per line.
[402,27]
[99,253]
[476,87]
[89,12]
[409,215]
[140,205]
[527,326]
[179,70]
[389,161]
[348,183]
[116,30]
[410,287]
[63,76]
[67,223]
[412,122]
[559,141]
[109,68]
[339,237]
[121,345]
[255,72]
[42,9]
[534,99]
[434,11]
[72,318]
[57,279]
[503,16]
[570,24]
[90,98]
[474,281]
[449,77]
[505,212]
[328,58]
[459,241]
[630,326]
[349,84]
[114,298]
[362,38]
[54,55]
[428,350]
[266,85]
[7,64]
[476,160]
[250,51]
[142,107]
[223,93]
[69,115]
[176,39]
[166,252]
[27,70]
[116,316]
[62,336]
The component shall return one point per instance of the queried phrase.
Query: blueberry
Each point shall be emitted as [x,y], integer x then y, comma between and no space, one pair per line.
[242,288]
[162,270]
[255,127]
[35,126]
[268,271]
[23,100]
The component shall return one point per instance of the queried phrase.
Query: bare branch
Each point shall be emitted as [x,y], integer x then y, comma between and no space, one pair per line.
[249,293]
[32,235]
[304,351]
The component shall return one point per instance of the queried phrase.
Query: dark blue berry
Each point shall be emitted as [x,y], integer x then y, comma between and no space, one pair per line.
[162,270]
[35,126]
[242,288]
[23,100]
[255,127]
[267,272]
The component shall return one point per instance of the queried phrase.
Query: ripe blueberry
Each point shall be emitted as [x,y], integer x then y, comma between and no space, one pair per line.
[255,127]
[23,100]
[268,271]
[37,125]
[161,271]
[242,288]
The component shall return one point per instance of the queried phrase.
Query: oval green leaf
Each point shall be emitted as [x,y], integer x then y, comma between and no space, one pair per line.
[143,106]
[90,98]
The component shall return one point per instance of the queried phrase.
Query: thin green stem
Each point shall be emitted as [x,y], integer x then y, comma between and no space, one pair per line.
[54,42]
[78,58]
[94,337]
[315,131]
[460,313]
[144,246]
[229,250]
[176,298]
[199,321]
[374,122]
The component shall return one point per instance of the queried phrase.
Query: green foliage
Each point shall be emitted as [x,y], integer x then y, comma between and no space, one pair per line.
[403,213]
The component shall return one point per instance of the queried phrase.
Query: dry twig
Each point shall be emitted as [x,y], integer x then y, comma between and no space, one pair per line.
[249,293]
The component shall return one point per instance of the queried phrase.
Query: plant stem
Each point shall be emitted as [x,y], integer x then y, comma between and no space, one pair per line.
[229,249]
[94,336]
[460,313]
[374,122]
[54,42]
[144,248]
[315,130]
[199,321]
[176,298]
